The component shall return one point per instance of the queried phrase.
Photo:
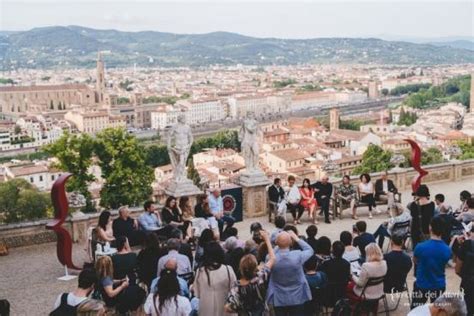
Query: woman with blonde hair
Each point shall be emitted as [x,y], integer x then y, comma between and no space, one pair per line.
[91,307]
[117,293]
[374,267]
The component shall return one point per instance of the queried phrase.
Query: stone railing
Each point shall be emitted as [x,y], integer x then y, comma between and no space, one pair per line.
[29,233]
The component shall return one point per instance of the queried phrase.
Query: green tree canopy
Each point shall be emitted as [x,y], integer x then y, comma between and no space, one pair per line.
[467,151]
[193,174]
[127,177]
[374,159]
[21,201]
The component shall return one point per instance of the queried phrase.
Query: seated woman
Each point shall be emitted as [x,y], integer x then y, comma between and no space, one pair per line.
[351,253]
[324,249]
[374,267]
[398,214]
[468,215]
[120,294]
[124,261]
[463,197]
[347,193]
[167,301]
[148,259]
[308,201]
[103,232]
[247,295]
[186,208]
[366,192]
[171,215]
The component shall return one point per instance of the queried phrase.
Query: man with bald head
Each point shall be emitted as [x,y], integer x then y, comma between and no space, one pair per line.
[172,265]
[322,194]
[126,226]
[216,206]
[288,289]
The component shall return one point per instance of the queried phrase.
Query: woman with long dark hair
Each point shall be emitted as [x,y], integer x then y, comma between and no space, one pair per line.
[308,201]
[213,281]
[148,259]
[366,192]
[207,235]
[172,215]
[166,300]
[103,231]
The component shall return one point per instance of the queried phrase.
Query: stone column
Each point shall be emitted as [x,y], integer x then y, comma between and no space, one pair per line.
[457,170]
[254,191]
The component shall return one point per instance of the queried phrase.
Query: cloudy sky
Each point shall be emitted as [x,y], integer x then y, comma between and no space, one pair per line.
[265,18]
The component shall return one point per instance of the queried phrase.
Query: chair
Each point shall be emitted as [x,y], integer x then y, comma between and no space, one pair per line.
[328,296]
[399,291]
[368,305]
[402,229]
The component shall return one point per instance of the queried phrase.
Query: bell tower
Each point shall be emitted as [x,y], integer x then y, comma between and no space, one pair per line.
[100,80]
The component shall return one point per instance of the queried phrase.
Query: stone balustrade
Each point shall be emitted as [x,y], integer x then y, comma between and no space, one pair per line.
[29,233]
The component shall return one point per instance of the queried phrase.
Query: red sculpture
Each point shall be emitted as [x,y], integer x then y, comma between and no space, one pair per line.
[416,164]
[61,207]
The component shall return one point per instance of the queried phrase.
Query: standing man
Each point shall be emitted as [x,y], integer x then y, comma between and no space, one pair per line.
[217,209]
[293,198]
[288,288]
[430,258]
[385,190]
[322,193]
[276,194]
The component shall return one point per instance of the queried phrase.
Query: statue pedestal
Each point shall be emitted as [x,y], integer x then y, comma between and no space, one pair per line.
[182,188]
[254,191]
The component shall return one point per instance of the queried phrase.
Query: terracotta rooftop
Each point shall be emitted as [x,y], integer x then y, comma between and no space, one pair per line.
[44,88]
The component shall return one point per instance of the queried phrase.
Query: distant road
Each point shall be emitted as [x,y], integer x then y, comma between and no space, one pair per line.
[210,129]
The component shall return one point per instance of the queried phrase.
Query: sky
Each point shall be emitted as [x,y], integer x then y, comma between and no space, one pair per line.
[389,19]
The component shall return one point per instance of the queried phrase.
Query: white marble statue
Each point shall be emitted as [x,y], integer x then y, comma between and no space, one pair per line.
[180,139]
[249,137]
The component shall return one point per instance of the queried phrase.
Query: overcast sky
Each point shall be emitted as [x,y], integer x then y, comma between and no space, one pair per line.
[284,19]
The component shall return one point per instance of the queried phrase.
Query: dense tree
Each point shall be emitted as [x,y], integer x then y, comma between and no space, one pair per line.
[74,154]
[193,174]
[384,91]
[123,100]
[156,155]
[374,159]
[407,118]
[408,88]
[21,201]
[429,156]
[122,160]
[467,150]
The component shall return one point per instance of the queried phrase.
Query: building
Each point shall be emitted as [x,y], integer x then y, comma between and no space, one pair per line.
[100,80]
[373,90]
[164,117]
[40,175]
[471,105]
[334,119]
[93,122]
[202,111]
[18,101]
[260,105]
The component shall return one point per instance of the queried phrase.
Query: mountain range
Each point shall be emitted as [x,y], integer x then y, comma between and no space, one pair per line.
[76,46]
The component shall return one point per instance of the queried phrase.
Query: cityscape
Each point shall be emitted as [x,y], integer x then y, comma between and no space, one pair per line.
[132,113]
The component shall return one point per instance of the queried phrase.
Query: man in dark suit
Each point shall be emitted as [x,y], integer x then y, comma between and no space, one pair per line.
[275,195]
[322,194]
[385,190]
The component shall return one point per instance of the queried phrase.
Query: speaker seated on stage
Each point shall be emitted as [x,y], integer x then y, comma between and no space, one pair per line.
[150,222]
[126,226]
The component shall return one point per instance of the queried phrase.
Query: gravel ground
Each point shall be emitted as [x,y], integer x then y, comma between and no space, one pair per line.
[28,276]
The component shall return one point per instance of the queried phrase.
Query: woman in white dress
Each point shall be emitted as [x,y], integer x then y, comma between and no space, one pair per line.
[213,281]
[366,192]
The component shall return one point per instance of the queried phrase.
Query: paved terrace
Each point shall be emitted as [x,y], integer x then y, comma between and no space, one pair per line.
[28,276]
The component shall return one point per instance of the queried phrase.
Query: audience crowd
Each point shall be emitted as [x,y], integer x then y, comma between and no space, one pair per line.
[191,261]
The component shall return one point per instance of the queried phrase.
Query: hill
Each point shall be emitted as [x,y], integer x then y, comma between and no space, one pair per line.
[76,46]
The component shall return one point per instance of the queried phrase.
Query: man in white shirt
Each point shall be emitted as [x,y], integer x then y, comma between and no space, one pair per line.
[216,206]
[446,304]
[293,198]
[86,281]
